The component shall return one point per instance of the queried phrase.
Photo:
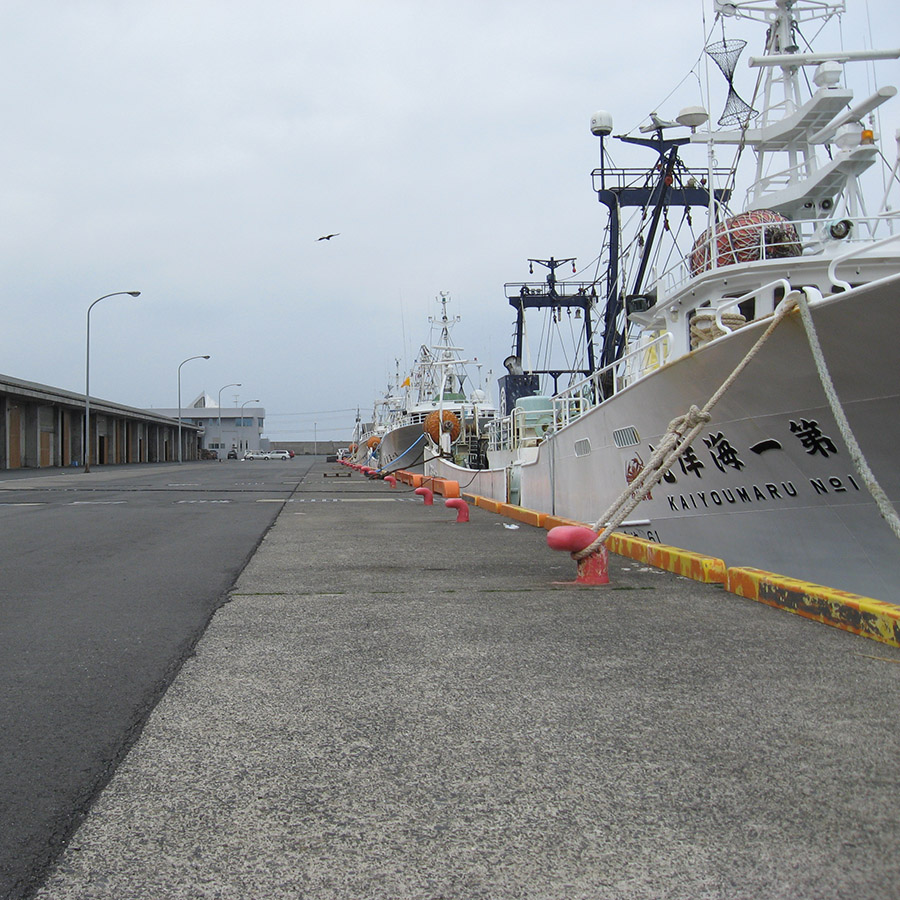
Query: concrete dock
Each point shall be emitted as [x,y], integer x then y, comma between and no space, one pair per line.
[396,705]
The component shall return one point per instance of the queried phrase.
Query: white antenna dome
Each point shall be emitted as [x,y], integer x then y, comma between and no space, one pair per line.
[601,123]
[692,117]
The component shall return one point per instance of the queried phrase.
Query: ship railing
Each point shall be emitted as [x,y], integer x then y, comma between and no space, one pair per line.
[816,235]
[608,381]
[521,428]
[527,428]
[617,179]
[854,253]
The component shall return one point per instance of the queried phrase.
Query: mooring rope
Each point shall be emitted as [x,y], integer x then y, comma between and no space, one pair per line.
[683,430]
[885,507]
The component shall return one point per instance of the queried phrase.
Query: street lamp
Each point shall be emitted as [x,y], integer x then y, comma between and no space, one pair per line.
[179,398]
[87,377]
[233,384]
[242,414]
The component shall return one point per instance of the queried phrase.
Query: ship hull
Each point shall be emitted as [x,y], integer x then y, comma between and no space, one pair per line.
[402,448]
[769,483]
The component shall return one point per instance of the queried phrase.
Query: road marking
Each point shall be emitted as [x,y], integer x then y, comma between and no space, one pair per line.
[203,501]
[366,500]
[23,504]
[96,502]
[184,484]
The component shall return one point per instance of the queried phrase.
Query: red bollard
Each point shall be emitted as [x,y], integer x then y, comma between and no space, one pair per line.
[593,569]
[461,507]
[391,480]
[427,493]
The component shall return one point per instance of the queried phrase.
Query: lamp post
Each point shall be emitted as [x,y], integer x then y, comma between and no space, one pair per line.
[242,414]
[87,377]
[233,384]
[179,398]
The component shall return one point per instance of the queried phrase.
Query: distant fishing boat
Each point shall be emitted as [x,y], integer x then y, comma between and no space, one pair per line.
[438,404]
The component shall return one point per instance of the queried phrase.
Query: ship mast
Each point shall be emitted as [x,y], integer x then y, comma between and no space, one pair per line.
[790,179]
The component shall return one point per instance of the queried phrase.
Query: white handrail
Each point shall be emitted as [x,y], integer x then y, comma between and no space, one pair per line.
[735,302]
[855,251]
[594,376]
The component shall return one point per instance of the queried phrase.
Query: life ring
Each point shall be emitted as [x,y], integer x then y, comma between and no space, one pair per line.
[373,442]
[442,421]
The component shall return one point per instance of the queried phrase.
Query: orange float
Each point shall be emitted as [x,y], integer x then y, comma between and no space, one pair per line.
[442,421]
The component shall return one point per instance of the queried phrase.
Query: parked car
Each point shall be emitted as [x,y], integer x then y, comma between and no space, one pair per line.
[256,454]
[279,454]
[232,453]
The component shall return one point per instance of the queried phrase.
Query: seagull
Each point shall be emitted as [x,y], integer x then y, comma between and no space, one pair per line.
[328,237]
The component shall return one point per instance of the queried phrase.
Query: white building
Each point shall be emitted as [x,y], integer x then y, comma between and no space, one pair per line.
[236,428]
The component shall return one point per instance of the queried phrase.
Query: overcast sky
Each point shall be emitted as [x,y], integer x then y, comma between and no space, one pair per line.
[195,149]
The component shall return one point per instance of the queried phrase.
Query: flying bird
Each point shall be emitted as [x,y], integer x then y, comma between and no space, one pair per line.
[328,237]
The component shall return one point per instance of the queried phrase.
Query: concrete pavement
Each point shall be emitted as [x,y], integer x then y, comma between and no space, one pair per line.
[394,705]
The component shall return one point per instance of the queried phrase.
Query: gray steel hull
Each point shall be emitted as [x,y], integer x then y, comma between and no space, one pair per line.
[402,448]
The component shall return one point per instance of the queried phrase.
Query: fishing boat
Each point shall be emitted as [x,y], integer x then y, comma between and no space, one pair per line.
[439,404]
[743,348]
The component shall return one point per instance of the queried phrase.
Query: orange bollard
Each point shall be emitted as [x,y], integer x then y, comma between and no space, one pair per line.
[427,493]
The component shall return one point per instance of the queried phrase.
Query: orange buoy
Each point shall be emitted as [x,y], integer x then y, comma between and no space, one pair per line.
[442,421]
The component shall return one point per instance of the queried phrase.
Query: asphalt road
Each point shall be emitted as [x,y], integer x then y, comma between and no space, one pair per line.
[108,580]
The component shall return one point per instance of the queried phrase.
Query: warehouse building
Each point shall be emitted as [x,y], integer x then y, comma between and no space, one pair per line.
[43,426]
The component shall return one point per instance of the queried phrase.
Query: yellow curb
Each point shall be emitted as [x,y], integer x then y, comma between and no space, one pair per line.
[864,616]
[484,502]
[698,566]
[520,514]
